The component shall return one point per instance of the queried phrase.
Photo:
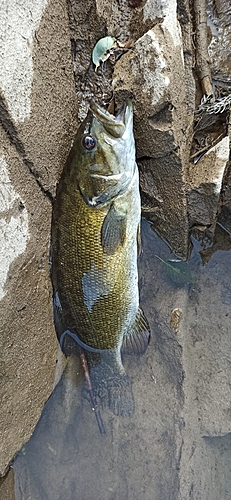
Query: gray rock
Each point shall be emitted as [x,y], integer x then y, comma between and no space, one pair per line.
[37,123]
[205,182]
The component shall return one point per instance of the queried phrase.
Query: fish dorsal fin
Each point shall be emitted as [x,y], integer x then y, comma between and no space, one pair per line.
[137,339]
[113,231]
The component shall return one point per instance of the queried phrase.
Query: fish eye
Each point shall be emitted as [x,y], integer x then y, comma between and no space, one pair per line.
[89,142]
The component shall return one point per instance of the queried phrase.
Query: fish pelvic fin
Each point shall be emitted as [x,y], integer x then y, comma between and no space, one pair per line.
[137,339]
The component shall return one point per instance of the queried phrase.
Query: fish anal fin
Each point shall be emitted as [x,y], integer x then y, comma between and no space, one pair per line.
[113,231]
[137,339]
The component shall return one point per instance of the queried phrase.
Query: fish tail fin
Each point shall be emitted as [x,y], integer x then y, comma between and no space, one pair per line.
[137,339]
[110,382]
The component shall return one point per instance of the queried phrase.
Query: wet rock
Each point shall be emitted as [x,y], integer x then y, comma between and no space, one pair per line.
[196,357]
[206,458]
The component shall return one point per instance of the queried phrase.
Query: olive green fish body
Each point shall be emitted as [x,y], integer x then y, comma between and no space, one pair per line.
[98,290]
[95,235]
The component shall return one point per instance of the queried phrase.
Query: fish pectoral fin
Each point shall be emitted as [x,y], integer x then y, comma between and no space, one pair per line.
[113,231]
[137,339]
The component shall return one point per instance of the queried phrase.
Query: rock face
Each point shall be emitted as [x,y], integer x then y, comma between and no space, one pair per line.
[43,96]
[205,181]
[161,124]
[37,110]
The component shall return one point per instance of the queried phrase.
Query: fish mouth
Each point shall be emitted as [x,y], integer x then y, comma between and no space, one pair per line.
[114,124]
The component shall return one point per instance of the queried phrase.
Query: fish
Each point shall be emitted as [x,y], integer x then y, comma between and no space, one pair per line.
[95,241]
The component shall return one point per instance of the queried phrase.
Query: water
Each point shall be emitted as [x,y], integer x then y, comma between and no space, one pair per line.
[177,444]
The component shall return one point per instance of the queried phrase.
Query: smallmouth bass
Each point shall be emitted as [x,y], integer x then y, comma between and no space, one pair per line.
[94,240]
